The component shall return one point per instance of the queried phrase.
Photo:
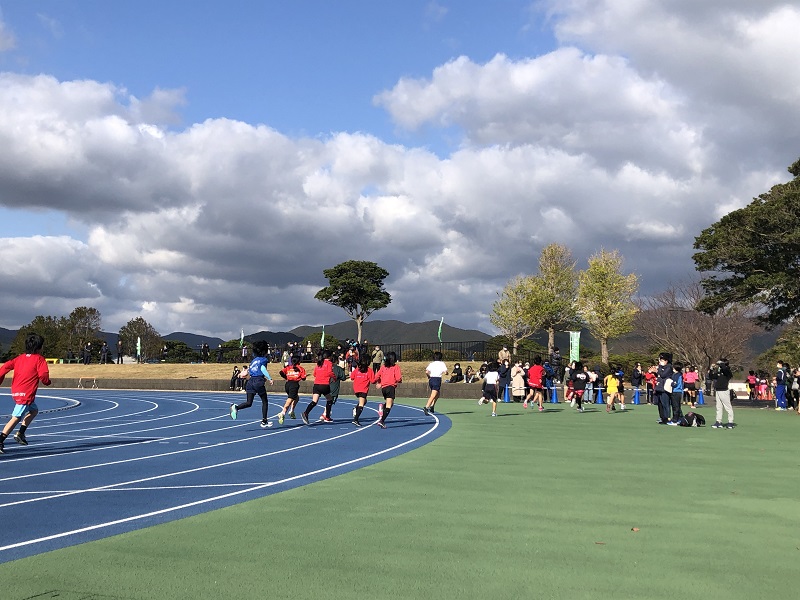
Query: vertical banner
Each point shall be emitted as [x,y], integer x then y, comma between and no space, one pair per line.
[322,339]
[574,345]
[440,329]
[138,349]
[241,339]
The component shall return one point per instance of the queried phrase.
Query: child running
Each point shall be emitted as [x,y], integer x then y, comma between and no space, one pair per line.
[29,369]
[611,383]
[388,377]
[536,376]
[435,371]
[256,376]
[579,379]
[362,376]
[293,374]
[491,386]
[323,375]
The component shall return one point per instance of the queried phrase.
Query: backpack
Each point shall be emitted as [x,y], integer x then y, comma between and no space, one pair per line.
[692,419]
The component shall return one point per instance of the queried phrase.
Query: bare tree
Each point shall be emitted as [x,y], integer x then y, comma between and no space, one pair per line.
[670,322]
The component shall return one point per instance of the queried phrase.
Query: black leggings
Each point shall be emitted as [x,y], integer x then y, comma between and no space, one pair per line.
[262,393]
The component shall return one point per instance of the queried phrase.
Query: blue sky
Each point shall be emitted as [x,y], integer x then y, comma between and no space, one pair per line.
[171,159]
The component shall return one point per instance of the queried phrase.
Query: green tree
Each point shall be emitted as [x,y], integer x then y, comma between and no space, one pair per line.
[754,255]
[138,328]
[786,348]
[52,329]
[552,301]
[180,352]
[511,311]
[605,298]
[357,287]
[83,326]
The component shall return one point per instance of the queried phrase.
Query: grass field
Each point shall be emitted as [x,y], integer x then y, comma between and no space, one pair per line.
[525,505]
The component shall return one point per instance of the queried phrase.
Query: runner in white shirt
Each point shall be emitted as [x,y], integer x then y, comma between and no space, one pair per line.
[490,386]
[435,371]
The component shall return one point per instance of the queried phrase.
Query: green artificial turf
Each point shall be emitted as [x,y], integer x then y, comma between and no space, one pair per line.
[525,505]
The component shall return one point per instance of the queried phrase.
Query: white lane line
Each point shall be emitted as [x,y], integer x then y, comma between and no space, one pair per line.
[173,453]
[216,498]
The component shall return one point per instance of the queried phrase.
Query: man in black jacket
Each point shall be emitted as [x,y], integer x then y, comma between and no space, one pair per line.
[722,376]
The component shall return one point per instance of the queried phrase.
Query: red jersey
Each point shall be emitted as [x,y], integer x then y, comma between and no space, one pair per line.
[324,375]
[650,378]
[389,376]
[292,373]
[361,381]
[536,376]
[29,370]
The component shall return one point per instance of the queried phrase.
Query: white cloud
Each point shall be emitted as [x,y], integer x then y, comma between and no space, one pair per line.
[616,140]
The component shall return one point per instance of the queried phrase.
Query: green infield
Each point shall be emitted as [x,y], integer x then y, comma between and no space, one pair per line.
[525,505]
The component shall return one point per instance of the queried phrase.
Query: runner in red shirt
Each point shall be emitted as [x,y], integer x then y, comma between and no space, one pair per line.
[362,376]
[293,374]
[29,369]
[323,375]
[536,376]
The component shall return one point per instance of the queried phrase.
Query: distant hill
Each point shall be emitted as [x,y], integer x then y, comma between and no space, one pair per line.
[396,332]
[192,339]
[273,337]
[7,336]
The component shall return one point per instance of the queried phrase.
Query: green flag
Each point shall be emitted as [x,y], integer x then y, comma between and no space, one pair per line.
[241,339]
[574,345]
[440,329]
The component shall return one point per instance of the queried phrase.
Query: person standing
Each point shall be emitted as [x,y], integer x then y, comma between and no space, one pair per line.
[517,381]
[503,354]
[87,353]
[690,381]
[204,352]
[780,387]
[293,374]
[104,350]
[388,378]
[256,377]
[377,358]
[722,375]
[556,362]
[29,370]
[119,352]
[677,393]
[663,391]
[435,371]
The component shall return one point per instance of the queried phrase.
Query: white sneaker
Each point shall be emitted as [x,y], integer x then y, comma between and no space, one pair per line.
[572,404]
[480,402]
[494,414]
[265,424]
[622,407]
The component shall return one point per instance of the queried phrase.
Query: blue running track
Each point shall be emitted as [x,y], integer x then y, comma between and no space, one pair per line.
[103,462]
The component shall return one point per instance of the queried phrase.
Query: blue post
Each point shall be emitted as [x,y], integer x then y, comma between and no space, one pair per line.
[636,396]
[599,396]
[506,397]
[700,401]
[553,395]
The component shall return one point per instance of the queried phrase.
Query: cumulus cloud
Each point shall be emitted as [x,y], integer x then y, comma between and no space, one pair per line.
[616,139]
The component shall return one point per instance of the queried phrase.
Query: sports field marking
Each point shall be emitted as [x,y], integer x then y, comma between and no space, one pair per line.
[227,495]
